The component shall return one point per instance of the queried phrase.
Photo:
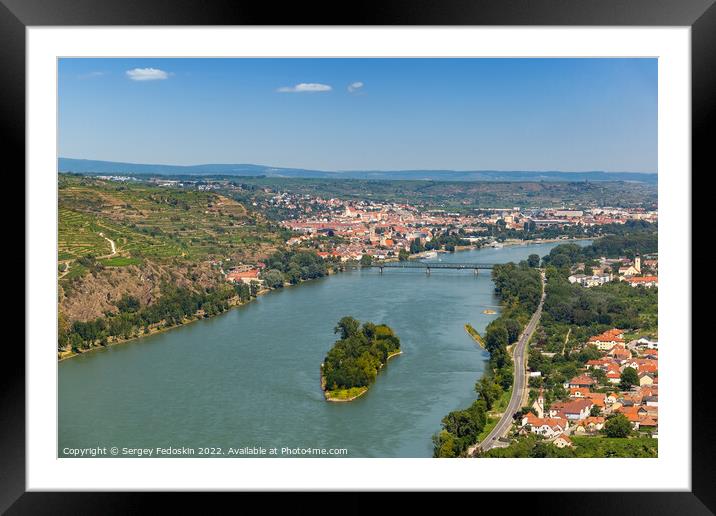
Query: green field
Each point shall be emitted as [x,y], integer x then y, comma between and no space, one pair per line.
[79,235]
[640,447]
[120,261]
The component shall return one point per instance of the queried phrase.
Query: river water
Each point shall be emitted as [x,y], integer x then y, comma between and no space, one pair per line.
[250,377]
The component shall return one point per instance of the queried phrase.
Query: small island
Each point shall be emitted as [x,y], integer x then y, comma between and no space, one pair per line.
[475,336]
[353,362]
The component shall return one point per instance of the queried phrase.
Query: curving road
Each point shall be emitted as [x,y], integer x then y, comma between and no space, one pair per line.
[519,385]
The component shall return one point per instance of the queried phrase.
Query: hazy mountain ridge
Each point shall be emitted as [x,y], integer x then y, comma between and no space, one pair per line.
[84,166]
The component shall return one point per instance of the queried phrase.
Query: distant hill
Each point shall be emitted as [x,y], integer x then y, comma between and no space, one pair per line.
[85,166]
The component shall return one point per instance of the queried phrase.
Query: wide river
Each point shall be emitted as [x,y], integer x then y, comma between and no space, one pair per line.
[250,377]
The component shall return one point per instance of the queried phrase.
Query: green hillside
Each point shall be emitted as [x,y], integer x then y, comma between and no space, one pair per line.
[153,222]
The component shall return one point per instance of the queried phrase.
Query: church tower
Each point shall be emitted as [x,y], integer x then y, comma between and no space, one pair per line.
[637,263]
[538,405]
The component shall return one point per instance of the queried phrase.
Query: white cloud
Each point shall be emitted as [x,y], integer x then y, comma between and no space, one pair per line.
[305,87]
[355,86]
[147,74]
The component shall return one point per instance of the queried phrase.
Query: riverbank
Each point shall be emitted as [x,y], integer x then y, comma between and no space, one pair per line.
[157,328]
[507,243]
[545,241]
[346,395]
[154,329]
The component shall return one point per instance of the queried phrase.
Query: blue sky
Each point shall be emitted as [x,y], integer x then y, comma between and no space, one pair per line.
[363,114]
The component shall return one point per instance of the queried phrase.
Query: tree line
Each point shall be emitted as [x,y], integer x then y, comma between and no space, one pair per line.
[131,319]
[629,239]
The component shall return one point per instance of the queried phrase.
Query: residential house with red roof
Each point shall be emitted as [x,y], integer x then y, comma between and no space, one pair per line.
[607,340]
[546,427]
[643,281]
[579,392]
[563,441]
[581,381]
[613,376]
[590,425]
[573,410]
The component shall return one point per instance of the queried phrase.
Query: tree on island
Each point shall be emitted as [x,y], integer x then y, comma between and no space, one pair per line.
[347,327]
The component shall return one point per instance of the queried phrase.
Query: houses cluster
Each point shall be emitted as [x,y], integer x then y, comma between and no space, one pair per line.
[596,393]
[591,217]
[620,269]
[380,230]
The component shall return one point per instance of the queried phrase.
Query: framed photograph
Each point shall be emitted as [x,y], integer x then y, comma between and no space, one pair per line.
[432,248]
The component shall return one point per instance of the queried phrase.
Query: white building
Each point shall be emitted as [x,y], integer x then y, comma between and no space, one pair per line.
[594,280]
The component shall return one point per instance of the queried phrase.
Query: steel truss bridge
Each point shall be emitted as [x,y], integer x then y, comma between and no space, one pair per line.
[428,266]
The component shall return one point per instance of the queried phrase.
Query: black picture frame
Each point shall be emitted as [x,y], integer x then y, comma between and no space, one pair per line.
[16,15]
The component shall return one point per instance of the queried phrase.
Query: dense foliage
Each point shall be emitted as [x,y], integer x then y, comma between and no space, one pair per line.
[585,447]
[292,267]
[445,240]
[460,429]
[614,304]
[354,359]
[617,425]
[518,286]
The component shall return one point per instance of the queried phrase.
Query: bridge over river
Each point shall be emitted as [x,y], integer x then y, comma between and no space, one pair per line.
[428,266]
